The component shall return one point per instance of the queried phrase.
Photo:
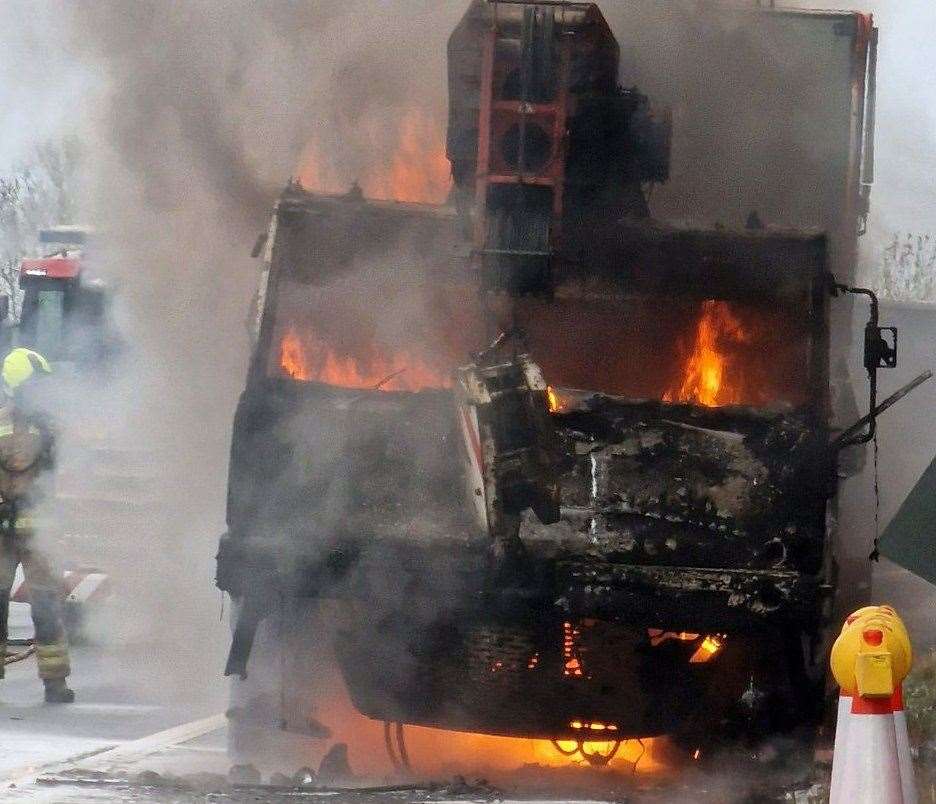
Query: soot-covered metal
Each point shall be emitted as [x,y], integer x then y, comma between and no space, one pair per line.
[671,516]
[561,464]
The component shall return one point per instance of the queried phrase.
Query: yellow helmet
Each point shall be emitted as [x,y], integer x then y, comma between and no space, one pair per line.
[21,365]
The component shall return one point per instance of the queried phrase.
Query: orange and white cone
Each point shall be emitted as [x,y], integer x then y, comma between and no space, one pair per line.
[870,773]
[904,757]
[841,744]
[872,762]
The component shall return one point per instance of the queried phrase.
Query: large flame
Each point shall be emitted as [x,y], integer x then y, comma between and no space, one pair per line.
[416,169]
[419,170]
[309,359]
[709,377]
[438,752]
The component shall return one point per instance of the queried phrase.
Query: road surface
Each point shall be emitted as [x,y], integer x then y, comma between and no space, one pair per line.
[127,742]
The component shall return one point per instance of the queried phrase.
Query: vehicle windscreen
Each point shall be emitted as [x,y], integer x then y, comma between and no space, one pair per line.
[374,329]
[364,332]
[364,298]
[710,352]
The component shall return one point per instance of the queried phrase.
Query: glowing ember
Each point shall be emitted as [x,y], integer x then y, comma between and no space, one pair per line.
[593,726]
[308,359]
[708,650]
[573,666]
[416,170]
[708,379]
[658,636]
[555,402]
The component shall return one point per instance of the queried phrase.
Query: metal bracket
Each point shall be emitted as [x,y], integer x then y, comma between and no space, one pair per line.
[880,351]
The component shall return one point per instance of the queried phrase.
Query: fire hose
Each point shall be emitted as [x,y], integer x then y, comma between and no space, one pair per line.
[18,657]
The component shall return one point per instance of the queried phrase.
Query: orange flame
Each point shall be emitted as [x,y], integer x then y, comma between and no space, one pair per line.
[555,402]
[308,359]
[417,170]
[711,646]
[707,378]
[317,174]
[292,357]
[442,752]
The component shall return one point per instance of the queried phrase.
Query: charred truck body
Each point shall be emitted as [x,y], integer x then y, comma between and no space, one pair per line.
[565,467]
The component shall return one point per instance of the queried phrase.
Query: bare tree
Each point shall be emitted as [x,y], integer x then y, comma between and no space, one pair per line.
[36,194]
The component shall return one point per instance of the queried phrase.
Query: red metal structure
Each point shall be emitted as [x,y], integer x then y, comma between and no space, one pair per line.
[553,137]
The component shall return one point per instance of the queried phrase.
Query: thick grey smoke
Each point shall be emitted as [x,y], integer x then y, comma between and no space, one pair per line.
[197,114]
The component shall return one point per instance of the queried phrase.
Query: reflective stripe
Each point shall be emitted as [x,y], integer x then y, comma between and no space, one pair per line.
[56,649]
[53,660]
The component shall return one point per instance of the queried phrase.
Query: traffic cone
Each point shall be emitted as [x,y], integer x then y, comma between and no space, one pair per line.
[870,773]
[840,747]
[904,757]
[872,762]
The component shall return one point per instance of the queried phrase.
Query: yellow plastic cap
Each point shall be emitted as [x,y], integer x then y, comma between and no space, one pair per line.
[872,655]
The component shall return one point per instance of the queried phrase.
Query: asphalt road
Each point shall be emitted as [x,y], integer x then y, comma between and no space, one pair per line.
[112,708]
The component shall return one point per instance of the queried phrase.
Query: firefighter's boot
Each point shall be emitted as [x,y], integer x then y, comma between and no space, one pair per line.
[54,668]
[58,692]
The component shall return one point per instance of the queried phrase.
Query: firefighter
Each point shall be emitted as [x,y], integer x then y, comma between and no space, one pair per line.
[26,460]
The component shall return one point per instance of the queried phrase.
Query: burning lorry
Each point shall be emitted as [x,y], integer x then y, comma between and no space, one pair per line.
[563,468]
